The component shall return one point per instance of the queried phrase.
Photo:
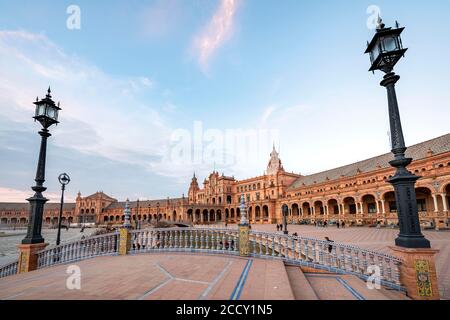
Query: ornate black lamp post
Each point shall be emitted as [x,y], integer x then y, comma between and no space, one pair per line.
[64,179]
[284,210]
[47,114]
[385,50]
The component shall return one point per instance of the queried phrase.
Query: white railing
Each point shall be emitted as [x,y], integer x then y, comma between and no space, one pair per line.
[106,244]
[9,269]
[186,240]
[327,255]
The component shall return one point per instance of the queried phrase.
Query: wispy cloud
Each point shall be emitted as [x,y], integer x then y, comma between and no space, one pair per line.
[102,114]
[216,32]
[15,195]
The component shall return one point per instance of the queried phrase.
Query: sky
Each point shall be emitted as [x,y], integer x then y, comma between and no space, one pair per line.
[152,91]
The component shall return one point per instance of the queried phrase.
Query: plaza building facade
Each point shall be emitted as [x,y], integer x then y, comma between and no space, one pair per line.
[358,194]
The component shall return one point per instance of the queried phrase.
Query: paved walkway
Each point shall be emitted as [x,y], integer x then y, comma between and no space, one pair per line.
[156,277]
[379,240]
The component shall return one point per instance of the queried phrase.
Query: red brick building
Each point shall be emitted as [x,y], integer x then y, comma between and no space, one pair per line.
[357,194]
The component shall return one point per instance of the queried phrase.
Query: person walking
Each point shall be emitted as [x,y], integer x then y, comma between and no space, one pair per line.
[330,246]
[337,224]
[278,227]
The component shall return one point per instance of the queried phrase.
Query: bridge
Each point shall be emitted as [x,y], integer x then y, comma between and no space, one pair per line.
[293,259]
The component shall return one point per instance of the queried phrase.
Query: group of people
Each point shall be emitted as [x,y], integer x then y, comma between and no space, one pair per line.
[321,224]
[340,225]
[279,227]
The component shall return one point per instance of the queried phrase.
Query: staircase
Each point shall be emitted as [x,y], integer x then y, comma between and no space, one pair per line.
[327,286]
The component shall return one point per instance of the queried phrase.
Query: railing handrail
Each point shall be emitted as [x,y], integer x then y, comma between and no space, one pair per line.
[339,244]
[51,247]
[9,264]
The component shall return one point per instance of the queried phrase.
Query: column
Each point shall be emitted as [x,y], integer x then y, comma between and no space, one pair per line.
[435,202]
[444,202]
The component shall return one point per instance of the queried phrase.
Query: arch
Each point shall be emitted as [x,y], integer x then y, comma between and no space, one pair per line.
[227,214]
[318,207]
[205,215]
[47,220]
[111,218]
[306,208]
[105,219]
[212,215]
[425,200]
[197,215]
[232,213]
[122,218]
[24,220]
[92,210]
[238,214]
[220,200]
[265,212]
[190,215]
[14,220]
[219,215]
[213,200]
[117,218]
[369,204]
[389,202]
[4,221]
[295,210]
[349,205]
[228,199]
[174,215]
[257,213]
[333,207]
[250,213]
[82,211]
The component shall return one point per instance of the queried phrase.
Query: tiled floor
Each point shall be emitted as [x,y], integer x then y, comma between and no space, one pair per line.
[156,276]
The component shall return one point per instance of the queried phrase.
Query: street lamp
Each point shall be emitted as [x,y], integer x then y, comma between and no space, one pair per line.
[64,179]
[385,50]
[284,210]
[47,114]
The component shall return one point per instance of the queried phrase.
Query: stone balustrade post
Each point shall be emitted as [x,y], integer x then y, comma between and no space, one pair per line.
[124,241]
[418,272]
[28,256]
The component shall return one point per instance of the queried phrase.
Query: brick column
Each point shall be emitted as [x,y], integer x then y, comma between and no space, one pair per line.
[28,258]
[418,272]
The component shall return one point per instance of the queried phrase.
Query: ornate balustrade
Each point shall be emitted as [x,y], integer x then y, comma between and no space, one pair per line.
[212,240]
[106,244]
[307,252]
[9,269]
[326,255]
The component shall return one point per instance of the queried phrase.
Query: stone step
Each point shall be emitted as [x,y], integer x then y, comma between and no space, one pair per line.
[348,287]
[301,287]
[267,280]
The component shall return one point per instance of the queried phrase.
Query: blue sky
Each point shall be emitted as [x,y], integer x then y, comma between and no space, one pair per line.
[139,73]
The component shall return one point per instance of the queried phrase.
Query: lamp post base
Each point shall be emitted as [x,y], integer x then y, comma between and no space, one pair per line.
[28,258]
[418,272]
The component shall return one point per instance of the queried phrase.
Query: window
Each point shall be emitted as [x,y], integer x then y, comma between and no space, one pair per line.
[421,205]
[352,208]
[372,208]
[392,206]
